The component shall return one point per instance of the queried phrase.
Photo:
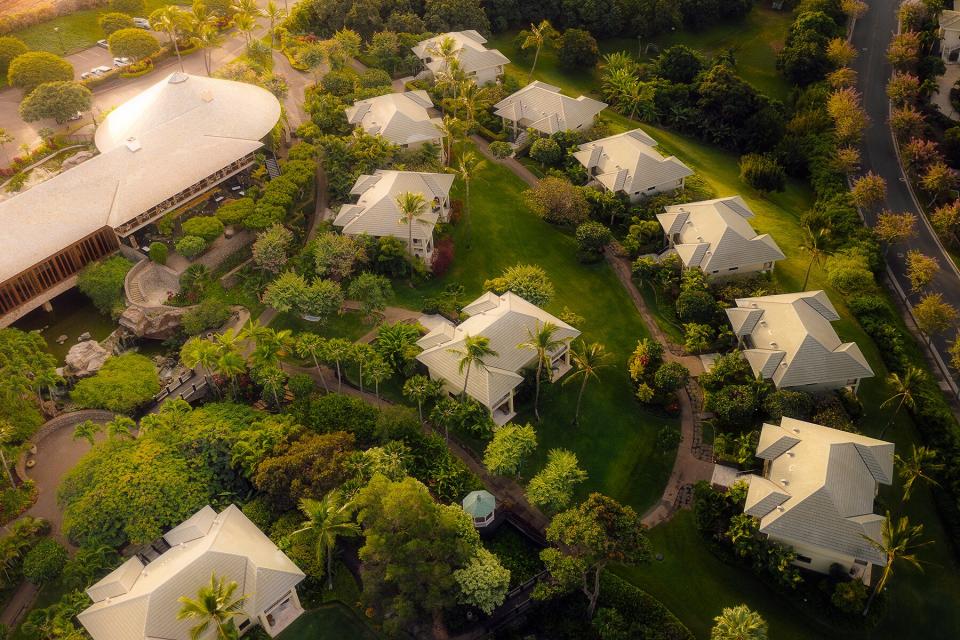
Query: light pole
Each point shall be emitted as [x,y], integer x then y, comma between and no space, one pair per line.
[63,49]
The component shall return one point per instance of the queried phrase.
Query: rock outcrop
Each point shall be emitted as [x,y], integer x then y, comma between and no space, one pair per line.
[85,359]
[156,324]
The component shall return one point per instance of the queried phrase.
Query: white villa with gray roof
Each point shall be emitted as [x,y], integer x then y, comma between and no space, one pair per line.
[482,65]
[714,236]
[542,107]
[789,340]
[402,119]
[376,212]
[816,494]
[506,321]
[629,163]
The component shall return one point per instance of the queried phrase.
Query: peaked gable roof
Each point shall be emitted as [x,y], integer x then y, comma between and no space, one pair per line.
[469,52]
[629,162]
[950,20]
[792,341]
[820,487]
[376,211]
[721,225]
[547,110]
[400,118]
[141,602]
[506,322]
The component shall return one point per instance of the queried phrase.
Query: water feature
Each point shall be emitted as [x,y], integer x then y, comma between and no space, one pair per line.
[72,315]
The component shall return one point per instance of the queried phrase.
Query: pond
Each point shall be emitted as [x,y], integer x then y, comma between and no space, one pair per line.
[72,315]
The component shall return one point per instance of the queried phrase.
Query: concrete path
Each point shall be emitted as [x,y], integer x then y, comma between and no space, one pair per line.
[941,98]
[297,83]
[511,163]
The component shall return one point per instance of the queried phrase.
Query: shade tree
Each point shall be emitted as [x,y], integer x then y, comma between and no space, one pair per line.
[510,446]
[34,68]
[553,486]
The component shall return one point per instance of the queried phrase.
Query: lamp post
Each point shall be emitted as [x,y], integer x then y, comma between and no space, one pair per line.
[63,49]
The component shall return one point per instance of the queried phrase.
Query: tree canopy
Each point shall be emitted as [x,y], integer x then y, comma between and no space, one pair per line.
[29,70]
[123,384]
[57,100]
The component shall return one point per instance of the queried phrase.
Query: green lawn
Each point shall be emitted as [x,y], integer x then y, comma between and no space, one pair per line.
[755,42]
[78,30]
[329,622]
[350,325]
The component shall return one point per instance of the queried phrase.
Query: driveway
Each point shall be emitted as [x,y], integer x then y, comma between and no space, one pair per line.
[871,36]
[941,98]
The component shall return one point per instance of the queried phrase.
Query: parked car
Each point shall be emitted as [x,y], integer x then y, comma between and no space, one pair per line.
[76,116]
[121,62]
[101,70]
[103,43]
[86,74]
[143,23]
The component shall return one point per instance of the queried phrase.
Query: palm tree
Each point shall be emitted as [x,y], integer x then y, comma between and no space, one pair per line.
[451,128]
[814,243]
[470,96]
[898,544]
[245,24]
[361,353]
[338,350]
[275,14]
[474,350]
[739,623]
[543,343]
[272,346]
[378,370]
[467,168]
[170,19]
[919,466]
[539,34]
[587,360]
[411,206]
[904,388]
[215,606]
[207,38]
[421,388]
[231,364]
[328,518]
[198,352]
[313,346]
[86,430]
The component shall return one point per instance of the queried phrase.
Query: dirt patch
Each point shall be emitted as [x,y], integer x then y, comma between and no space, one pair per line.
[52,7]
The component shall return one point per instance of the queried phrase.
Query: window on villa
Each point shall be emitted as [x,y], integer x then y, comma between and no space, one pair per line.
[244,625]
[651,188]
[804,559]
[733,268]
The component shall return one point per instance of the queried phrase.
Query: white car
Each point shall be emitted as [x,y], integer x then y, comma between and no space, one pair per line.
[143,23]
[76,116]
[100,70]
[121,62]
[103,43]
[86,74]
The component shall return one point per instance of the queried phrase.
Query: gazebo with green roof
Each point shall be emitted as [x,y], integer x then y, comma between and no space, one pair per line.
[482,507]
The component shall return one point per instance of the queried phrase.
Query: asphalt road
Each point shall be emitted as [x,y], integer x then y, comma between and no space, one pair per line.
[871,36]
[117,92]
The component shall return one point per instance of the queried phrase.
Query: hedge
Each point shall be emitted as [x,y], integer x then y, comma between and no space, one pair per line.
[639,607]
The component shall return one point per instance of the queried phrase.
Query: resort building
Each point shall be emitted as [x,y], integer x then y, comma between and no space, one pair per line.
[173,142]
[950,35]
[139,600]
[788,339]
[816,494]
[715,237]
[507,321]
[402,119]
[376,212]
[542,107]
[629,163]
[482,65]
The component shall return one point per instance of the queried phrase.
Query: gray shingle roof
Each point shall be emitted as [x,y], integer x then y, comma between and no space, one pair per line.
[629,162]
[401,118]
[470,52]
[542,107]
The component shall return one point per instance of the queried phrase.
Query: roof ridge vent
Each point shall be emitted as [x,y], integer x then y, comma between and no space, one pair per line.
[178,77]
[133,144]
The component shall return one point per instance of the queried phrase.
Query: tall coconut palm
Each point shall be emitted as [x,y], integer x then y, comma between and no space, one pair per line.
[899,541]
[412,206]
[207,38]
[587,360]
[214,607]
[199,352]
[543,342]
[275,15]
[245,24]
[467,168]
[921,463]
[446,50]
[171,20]
[362,354]
[328,519]
[231,365]
[311,345]
[451,129]
[904,388]
[814,243]
[338,350]
[420,388]
[538,36]
[471,355]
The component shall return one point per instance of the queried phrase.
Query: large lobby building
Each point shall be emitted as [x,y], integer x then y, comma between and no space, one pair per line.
[176,140]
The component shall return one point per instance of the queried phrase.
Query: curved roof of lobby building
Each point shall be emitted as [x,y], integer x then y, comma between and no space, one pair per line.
[168,138]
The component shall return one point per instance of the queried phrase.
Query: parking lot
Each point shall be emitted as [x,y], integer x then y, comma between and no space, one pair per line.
[88,59]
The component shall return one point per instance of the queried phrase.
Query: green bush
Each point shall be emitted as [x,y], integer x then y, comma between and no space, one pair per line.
[645,615]
[191,246]
[29,70]
[792,404]
[301,386]
[592,239]
[158,252]
[372,78]
[546,151]
[113,21]
[339,83]
[44,562]
[206,315]
[762,172]
[577,49]
[236,212]
[132,43]
[123,384]
[207,227]
[102,282]
[10,48]
[501,149]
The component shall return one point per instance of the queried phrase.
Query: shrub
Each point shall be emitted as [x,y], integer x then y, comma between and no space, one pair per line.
[501,149]
[158,252]
[669,377]
[123,384]
[558,201]
[130,7]
[696,306]
[29,70]
[102,282]
[339,82]
[10,48]
[734,406]
[546,151]
[762,172]
[530,282]
[592,239]
[849,596]
[208,314]
[44,562]
[372,78]
[132,43]
[443,254]
[792,404]
[577,49]
[207,227]
[191,246]
[236,212]
[301,386]
[113,21]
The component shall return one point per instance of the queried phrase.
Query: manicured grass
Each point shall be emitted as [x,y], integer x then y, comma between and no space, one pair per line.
[755,42]
[616,438]
[329,622]
[78,30]
[350,325]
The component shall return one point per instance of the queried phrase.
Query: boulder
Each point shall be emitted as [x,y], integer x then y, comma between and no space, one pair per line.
[155,324]
[77,158]
[85,359]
